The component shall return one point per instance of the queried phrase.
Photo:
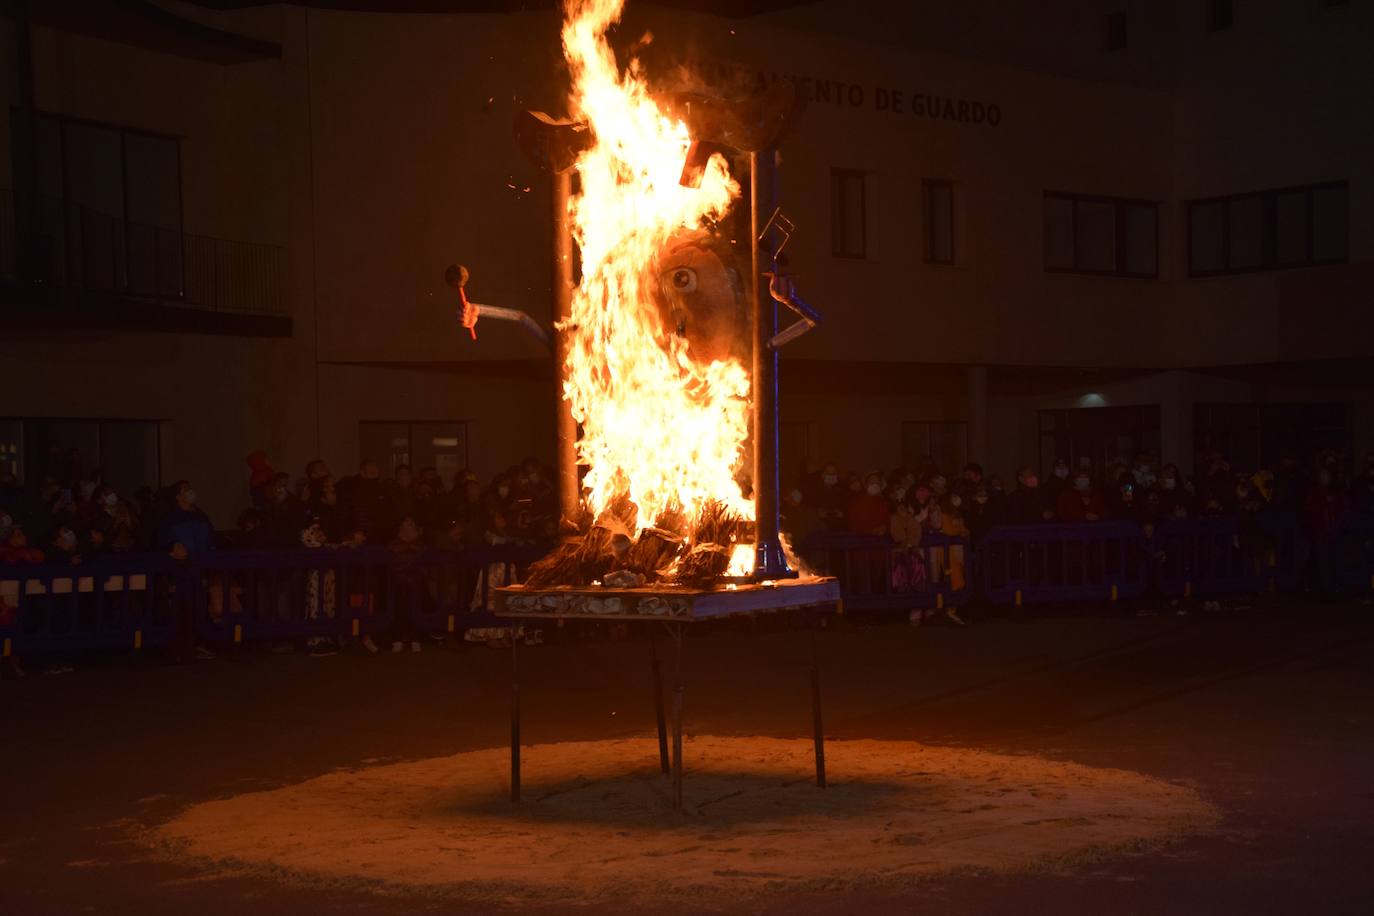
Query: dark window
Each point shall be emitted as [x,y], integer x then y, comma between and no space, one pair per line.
[945,443]
[1097,436]
[937,207]
[128,452]
[1101,235]
[1262,230]
[110,199]
[1116,30]
[438,444]
[848,214]
[1253,436]
[1219,15]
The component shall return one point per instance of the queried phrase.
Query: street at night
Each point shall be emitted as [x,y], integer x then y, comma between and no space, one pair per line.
[1265,713]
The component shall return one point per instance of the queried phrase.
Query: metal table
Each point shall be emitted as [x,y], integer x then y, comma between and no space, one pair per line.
[673,608]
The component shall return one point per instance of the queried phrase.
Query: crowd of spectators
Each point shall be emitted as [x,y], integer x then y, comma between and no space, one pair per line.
[906,502]
[906,505]
[69,521]
[74,519]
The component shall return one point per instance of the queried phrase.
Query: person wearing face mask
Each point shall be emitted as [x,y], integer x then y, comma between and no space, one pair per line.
[868,512]
[1323,509]
[1060,479]
[1174,499]
[1081,502]
[1028,503]
[832,499]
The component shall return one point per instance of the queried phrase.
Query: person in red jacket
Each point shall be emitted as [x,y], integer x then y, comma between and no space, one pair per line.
[869,512]
[1081,502]
[17,552]
[1323,508]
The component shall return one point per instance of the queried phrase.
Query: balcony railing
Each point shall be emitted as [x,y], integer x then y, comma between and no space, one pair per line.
[83,250]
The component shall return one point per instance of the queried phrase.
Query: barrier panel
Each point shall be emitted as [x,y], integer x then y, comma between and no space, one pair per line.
[875,573]
[291,594]
[1286,552]
[1090,561]
[1204,557]
[123,601]
[1354,553]
[460,585]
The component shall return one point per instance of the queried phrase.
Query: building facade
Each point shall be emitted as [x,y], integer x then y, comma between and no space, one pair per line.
[1088,232]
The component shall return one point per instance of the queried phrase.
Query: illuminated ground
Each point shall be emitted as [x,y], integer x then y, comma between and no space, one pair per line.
[595,824]
[1263,714]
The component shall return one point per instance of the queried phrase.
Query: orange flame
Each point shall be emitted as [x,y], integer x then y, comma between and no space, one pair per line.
[658,425]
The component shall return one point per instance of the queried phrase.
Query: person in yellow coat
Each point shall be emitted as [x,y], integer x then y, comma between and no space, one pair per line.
[952,561]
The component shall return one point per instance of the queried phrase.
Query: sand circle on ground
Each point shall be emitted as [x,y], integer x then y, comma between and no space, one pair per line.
[596,822]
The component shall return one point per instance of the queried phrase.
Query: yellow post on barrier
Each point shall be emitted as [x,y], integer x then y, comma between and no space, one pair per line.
[940,601]
[355,626]
[238,633]
[1114,592]
[1018,597]
[138,639]
[450,623]
[839,606]
[7,647]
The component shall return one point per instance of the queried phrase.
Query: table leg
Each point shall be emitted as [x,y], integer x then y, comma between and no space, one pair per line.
[677,723]
[658,706]
[817,725]
[514,718]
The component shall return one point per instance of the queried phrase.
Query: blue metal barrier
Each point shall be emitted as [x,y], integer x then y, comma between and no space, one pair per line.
[291,594]
[876,574]
[148,599]
[120,601]
[1204,557]
[1089,561]
[1354,559]
[1286,551]
[460,585]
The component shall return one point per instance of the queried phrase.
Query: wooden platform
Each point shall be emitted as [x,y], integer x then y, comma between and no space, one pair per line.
[664,602]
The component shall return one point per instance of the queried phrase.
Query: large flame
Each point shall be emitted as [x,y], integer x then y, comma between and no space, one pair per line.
[657,425]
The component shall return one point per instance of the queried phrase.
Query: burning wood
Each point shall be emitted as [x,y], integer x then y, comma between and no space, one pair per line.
[668,552]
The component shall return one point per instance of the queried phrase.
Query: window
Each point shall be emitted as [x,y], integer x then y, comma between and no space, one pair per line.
[128,452]
[1219,15]
[438,444]
[110,199]
[1101,235]
[1263,230]
[848,214]
[937,207]
[945,444]
[1097,436]
[1252,436]
[1116,30]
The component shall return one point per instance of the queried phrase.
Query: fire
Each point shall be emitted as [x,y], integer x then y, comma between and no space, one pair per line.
[659,424]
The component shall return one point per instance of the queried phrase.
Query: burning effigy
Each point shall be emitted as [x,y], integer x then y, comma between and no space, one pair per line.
[667,339]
